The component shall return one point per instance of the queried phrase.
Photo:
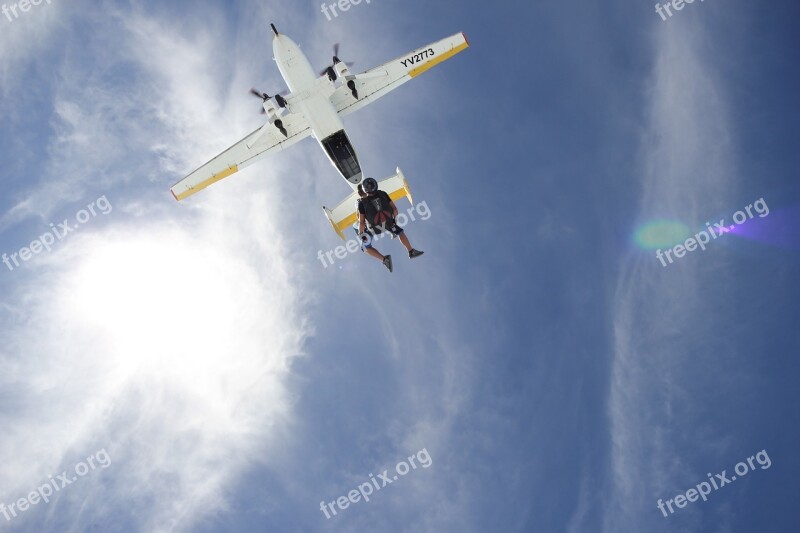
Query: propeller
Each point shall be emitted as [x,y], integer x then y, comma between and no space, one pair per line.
[264,97]
[336,56]
[330,70]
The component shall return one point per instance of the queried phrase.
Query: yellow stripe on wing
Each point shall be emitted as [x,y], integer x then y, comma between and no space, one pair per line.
[435,61]
[347,221]
[210,181]
[396,195]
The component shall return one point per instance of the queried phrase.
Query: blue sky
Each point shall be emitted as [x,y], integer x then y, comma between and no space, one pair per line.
[558,376]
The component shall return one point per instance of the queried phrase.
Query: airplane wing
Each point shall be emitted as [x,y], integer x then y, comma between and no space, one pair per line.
[263,141]
[383,79]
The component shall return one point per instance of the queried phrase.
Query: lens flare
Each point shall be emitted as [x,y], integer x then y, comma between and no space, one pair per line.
[780,228]
[661,234]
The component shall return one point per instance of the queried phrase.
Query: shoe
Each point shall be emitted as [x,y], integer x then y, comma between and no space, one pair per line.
[387,262]
[414,253]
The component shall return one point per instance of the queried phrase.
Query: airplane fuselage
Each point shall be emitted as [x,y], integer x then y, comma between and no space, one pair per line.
[311,96]
[316,106]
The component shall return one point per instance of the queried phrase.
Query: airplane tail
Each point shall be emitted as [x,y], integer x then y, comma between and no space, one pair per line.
[344,214]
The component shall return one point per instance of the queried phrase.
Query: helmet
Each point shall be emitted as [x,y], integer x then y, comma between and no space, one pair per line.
[370,185]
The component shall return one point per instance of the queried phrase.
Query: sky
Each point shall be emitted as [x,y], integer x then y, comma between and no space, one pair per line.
[562,358]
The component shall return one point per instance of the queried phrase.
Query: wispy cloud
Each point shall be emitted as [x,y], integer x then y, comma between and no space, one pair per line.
[688,174]
[165,334]
[178,323]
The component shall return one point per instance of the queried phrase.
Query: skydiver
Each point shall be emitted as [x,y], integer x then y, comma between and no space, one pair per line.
[376,213]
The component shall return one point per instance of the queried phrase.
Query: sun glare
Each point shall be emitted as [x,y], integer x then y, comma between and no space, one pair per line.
[174,310]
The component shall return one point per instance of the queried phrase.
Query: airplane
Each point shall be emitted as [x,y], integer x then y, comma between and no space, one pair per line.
[315,108]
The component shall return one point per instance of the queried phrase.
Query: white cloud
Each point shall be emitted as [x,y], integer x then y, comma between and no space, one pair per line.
[177,323]
[688,175]
[22,38]
[164,334]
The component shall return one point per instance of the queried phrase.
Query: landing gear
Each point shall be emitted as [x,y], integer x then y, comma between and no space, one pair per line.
[279,124]
[281,101]
[352,86]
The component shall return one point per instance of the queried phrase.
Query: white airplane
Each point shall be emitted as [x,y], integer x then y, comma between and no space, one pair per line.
[315,107]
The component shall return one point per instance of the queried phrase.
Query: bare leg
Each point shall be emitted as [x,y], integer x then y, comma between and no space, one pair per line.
[405,242]
[375,253]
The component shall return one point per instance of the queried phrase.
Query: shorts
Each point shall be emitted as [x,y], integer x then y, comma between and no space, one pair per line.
[365,244]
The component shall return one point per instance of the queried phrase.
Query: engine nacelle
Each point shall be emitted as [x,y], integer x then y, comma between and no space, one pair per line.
[270,110]
[274,118]
[341,70]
